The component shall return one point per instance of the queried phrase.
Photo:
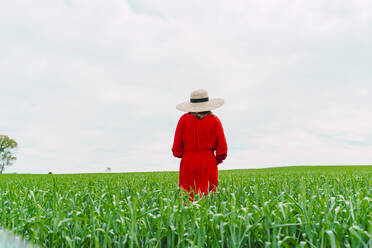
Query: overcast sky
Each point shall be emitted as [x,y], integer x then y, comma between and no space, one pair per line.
[86,85]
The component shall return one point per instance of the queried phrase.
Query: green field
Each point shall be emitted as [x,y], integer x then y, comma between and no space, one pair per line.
[276,207]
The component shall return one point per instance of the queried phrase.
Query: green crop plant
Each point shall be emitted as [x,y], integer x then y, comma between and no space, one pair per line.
[275,207]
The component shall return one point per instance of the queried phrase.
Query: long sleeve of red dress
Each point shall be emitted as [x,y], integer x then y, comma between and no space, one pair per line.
[177,148]
[221,145]
[201,145]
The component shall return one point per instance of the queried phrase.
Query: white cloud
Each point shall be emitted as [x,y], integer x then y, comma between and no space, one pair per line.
[87,85]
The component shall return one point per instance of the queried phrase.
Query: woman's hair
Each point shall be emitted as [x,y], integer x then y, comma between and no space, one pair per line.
[201,115]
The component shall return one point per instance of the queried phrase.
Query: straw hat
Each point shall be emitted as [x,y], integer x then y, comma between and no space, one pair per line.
[200,102]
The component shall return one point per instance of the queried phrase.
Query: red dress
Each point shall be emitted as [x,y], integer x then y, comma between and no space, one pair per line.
[202,145]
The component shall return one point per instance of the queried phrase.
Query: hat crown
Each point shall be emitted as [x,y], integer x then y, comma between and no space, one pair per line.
[198,94]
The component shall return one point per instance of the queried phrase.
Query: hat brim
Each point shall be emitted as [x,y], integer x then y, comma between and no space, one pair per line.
[200,106]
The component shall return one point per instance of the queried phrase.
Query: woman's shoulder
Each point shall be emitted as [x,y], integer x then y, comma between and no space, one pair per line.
[184,117]
[214,117]
[216,120]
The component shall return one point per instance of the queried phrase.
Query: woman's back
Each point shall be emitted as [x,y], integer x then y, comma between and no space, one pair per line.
[197,135]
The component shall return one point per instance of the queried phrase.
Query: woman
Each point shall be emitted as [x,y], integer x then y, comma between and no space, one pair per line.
[200,142]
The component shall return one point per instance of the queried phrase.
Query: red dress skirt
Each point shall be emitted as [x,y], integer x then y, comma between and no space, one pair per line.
[202,146]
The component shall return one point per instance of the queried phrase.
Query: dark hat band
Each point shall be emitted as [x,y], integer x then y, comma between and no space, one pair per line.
[199,100]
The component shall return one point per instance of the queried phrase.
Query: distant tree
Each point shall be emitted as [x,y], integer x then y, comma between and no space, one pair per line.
[50,173]
[8,147]
[108,169]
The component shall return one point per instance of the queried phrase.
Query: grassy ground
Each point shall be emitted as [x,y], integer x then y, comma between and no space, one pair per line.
[276,207]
